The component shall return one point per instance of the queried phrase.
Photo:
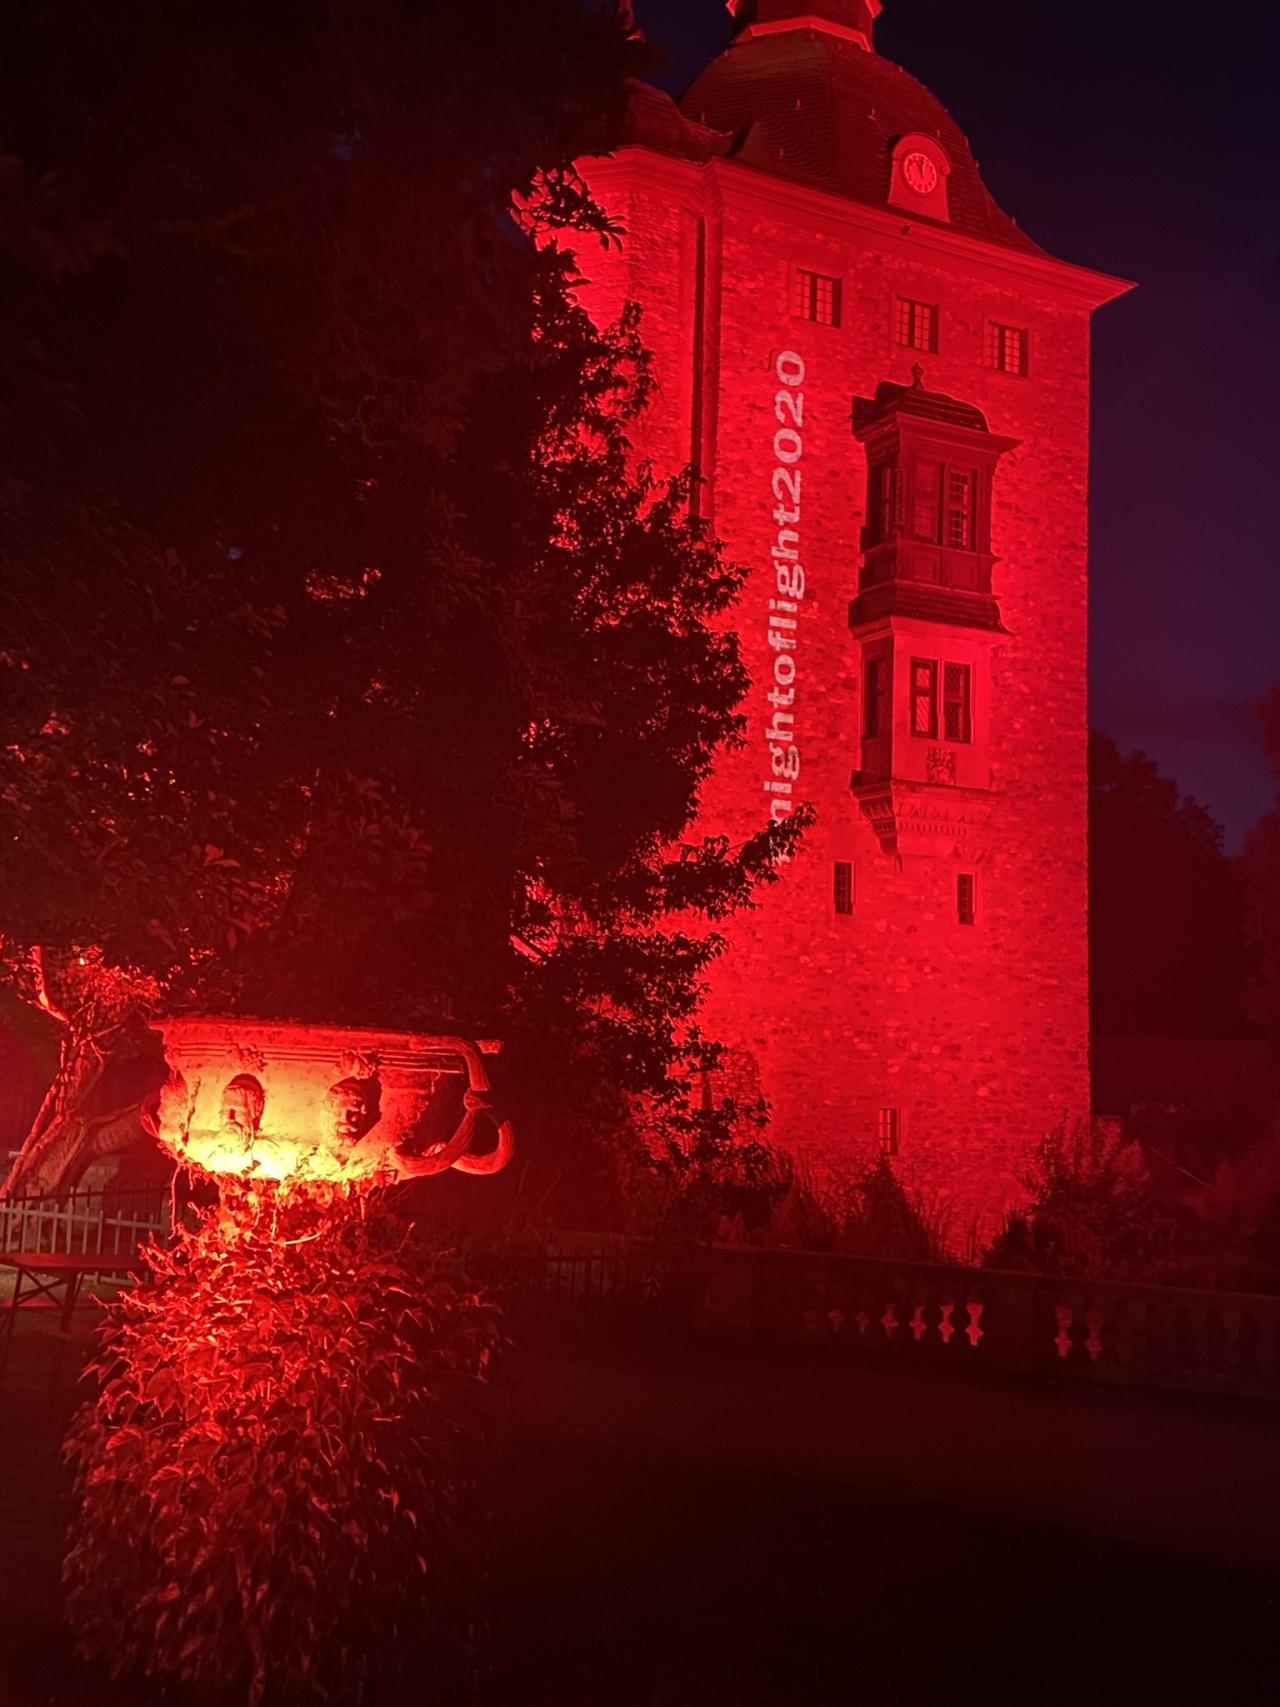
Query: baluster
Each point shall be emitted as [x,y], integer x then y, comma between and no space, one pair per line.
[889,1321]
[1093,1343]
[918,1326]
[1065,1315]
[946,1327]
[975,1331]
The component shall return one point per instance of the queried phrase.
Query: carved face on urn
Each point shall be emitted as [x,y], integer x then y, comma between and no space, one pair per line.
[243,1101]
[351,1110]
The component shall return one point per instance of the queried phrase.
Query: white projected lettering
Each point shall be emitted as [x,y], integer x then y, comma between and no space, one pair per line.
[780,731]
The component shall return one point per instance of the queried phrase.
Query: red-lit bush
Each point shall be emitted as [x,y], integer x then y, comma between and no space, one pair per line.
[276,1482]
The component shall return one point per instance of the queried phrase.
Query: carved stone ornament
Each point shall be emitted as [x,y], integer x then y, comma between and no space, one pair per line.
[296,1102]
[920,818]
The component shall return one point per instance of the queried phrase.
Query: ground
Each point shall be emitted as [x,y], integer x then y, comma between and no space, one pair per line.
[685,1526]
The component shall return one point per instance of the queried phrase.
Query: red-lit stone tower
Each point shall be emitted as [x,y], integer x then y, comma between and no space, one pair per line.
[885,386]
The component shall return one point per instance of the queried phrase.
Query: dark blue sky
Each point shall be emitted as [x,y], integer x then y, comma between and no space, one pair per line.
[1140,138]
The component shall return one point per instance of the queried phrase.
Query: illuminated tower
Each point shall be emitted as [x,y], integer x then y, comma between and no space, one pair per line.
[884,384]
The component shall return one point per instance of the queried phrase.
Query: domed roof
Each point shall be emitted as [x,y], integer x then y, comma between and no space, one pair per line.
[811,103]
[913,399]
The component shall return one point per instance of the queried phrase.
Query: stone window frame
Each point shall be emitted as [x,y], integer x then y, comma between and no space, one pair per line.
[937,700]
[906,310]
[889,1131]
[805,294]
[844,888]
[967,897]
[999,333]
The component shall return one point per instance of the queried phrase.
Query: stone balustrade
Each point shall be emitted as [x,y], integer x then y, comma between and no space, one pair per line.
[1062,1328]
[1162,1336]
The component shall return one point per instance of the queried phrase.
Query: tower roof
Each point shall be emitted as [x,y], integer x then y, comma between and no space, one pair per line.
[802,95]
[855,17]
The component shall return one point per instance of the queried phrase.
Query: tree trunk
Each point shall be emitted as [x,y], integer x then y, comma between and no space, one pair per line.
[77,1124]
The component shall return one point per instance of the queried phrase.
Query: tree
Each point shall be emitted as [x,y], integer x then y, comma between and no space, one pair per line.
[350,669]
[1092,1210]
[1261,869]
[280,1468]
[1165,910]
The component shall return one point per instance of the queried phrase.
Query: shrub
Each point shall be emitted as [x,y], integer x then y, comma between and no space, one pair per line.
[1093,1210]
[276,1482]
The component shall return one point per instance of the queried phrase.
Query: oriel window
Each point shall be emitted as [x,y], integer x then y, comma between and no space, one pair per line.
[957,708]
[887,488]
[960,491]
[924,698]
[875,692]
[926,500]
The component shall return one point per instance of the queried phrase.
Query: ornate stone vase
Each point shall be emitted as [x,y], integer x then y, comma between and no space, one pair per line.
[263,1100]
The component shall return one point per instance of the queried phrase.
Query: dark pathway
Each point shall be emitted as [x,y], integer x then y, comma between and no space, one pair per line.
[737,1530]
[683,1528]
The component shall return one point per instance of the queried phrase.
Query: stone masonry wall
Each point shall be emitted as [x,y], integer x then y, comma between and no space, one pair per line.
[978,1035]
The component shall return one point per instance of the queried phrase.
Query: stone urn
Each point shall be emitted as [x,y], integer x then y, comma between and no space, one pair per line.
[266,1100]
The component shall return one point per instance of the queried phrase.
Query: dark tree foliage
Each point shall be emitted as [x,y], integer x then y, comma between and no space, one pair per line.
[1166,944]
[1261,869]
[348,667]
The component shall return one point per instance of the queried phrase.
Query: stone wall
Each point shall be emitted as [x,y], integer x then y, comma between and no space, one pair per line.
[977,1034]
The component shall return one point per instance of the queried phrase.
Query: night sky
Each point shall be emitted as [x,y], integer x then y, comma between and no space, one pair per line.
[1140,139]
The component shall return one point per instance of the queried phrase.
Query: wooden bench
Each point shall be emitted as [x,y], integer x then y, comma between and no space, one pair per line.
[41,1275]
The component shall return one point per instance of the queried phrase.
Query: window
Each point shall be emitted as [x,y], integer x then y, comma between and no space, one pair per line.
[889,1131]
[1007,348]
[875,690]
[956,700]
[843,891]
[966,898]
[926,498]
[943,506]
[957,713]
[924,698]
[960,485]
[816,297]
[885,511]
[917,324]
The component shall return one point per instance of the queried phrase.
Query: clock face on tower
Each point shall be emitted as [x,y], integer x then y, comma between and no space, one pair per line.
[920,173]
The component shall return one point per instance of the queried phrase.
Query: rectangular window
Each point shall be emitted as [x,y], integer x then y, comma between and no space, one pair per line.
[1007,348]
[966,898]
[917,325]
[926,501]
[816,297]
[843,889]
[875,688]
[886,501]
[960,488]
[924,698]
[889,1131]
[957,707]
